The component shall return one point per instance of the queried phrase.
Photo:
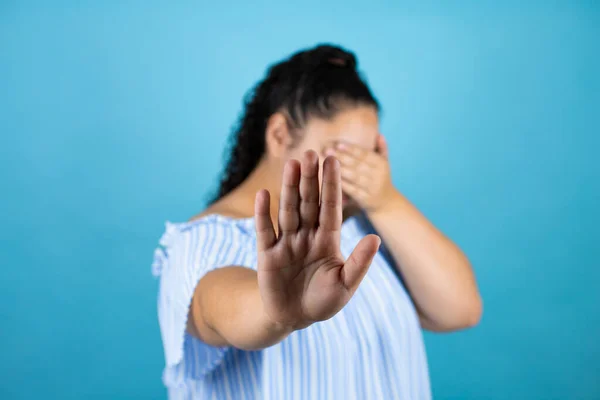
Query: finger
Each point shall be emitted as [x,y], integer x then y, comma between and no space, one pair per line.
[289,217]
[382,147]
[352,150]
[352,155]
[330,213]
[309,190]
[358,176]
[358,263]
[344,158]
[353,190]
[265,233]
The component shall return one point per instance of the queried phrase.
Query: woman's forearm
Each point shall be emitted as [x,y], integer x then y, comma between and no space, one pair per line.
[227,310]
[437,273]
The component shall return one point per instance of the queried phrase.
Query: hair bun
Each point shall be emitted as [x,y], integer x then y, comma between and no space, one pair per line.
[328,55]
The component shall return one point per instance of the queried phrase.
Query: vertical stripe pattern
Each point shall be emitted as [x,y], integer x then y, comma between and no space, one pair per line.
[372,349]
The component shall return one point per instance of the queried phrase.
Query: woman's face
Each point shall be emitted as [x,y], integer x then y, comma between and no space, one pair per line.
[356,125]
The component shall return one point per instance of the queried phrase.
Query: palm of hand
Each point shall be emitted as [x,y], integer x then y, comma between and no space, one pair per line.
[302,275]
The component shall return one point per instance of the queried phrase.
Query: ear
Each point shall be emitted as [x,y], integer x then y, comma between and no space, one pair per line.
[277,136]
[382,147]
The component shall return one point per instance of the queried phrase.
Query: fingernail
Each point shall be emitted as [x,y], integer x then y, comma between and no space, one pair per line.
[330,152]
[341,146]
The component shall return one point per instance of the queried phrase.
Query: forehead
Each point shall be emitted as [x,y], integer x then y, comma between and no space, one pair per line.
[357,125]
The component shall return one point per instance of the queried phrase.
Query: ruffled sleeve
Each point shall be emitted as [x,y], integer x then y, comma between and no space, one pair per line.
[160,254]
[186,253]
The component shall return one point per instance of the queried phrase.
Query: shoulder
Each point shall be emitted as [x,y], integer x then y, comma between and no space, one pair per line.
[211,239]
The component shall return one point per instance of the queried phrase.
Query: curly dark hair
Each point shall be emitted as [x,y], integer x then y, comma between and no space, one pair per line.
[317,82]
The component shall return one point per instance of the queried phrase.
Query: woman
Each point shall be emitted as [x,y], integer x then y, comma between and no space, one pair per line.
[313,306]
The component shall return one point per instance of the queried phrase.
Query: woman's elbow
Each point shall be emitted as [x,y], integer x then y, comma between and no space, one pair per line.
[472,313]
[457,317]
[470,304]
[465,315]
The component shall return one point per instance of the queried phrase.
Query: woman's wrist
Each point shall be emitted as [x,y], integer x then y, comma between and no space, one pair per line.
[391,203]
[260,330]
[275,332]
[232,312]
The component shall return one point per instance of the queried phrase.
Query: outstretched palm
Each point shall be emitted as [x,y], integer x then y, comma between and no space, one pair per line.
[302,275]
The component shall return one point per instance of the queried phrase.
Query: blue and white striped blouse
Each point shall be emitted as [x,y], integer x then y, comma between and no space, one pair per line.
[372,349]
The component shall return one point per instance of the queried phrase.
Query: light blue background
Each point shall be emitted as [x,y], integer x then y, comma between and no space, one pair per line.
[113,119]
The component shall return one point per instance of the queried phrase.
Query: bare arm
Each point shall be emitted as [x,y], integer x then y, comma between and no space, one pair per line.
[301,276]
[227,310]
[437,273]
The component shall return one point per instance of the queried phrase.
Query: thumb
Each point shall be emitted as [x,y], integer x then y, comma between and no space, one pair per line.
[382,147]
[358,263]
